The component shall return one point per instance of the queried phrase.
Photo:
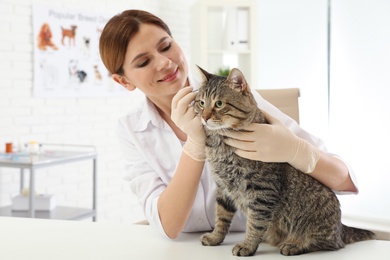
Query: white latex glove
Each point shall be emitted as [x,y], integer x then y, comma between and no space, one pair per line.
[274,142]
[183,115]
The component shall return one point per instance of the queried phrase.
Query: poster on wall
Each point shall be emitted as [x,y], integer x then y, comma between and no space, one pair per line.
[66,54]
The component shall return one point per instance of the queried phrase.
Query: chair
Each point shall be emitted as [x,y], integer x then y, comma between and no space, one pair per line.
[285,99]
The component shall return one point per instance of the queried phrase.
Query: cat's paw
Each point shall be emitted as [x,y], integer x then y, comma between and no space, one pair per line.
[211,239]
[244,250]
[291,249]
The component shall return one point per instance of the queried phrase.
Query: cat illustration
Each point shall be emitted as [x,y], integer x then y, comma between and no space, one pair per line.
[284,207]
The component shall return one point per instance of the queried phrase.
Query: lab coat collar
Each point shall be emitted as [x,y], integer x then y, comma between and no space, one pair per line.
[149,114]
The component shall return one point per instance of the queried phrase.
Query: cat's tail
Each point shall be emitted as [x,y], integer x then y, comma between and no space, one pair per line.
[352,235]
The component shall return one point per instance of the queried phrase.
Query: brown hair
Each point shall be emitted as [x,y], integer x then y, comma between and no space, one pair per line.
[117,34]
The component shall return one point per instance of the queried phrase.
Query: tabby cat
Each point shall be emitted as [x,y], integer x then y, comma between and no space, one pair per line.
[284,207]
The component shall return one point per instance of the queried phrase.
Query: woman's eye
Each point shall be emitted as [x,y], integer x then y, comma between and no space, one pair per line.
[143,64]
[219,104]
[166,47]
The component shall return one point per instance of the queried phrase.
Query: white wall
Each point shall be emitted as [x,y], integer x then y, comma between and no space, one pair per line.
[292,53]
[360,94]
[89,121]
[292,48]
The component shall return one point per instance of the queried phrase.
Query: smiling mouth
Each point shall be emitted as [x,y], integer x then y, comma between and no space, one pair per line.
[170,76]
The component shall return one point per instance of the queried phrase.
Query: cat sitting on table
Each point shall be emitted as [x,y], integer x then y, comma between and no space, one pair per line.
[284,207]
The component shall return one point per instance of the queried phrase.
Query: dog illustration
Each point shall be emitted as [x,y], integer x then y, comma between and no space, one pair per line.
[85,48]
[86,41]
[98,75]
[49,74]
[70,33]
[76,75]
[44,38]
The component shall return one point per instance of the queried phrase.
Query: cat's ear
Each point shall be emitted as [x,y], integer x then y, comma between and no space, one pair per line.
[205,73]
[238,79]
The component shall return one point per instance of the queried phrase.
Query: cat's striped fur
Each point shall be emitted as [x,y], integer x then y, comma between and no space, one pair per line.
[284,207]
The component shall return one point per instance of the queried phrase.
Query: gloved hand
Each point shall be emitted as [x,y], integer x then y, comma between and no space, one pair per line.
[274,142]
[183,115]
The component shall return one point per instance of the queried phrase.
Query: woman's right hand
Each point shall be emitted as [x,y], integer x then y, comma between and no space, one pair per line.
[183,115]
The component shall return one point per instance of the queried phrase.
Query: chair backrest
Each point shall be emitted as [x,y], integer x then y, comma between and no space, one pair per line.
[285,99]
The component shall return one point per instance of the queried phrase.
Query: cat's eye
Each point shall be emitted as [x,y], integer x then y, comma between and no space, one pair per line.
[219,104]
[201,103]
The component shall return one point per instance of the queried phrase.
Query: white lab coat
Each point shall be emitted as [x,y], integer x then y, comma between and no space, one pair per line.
[152,152]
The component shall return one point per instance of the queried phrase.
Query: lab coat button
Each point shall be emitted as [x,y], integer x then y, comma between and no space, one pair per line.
[200,221]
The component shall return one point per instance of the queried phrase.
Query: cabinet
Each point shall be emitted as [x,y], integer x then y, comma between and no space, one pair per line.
[223,36]
[51,155]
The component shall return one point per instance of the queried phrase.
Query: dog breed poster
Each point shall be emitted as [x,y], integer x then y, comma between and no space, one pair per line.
[66,54]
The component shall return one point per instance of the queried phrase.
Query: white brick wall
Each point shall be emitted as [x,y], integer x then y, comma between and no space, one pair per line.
[90,121]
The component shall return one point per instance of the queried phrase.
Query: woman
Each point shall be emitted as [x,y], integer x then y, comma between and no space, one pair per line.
[163,140]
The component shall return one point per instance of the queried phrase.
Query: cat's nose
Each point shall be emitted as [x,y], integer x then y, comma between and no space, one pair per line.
[206,118]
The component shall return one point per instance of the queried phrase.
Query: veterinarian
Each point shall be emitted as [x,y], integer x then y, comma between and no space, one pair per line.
[164,142]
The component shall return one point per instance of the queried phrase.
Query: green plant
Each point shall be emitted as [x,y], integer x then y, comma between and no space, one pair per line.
[223,71]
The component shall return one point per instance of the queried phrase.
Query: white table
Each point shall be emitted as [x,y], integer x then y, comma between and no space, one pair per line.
[38,239]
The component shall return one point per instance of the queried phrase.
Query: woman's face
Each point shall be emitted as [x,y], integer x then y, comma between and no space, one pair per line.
[154,63]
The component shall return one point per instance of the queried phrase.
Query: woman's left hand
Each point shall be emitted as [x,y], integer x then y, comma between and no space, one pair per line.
[273,142]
